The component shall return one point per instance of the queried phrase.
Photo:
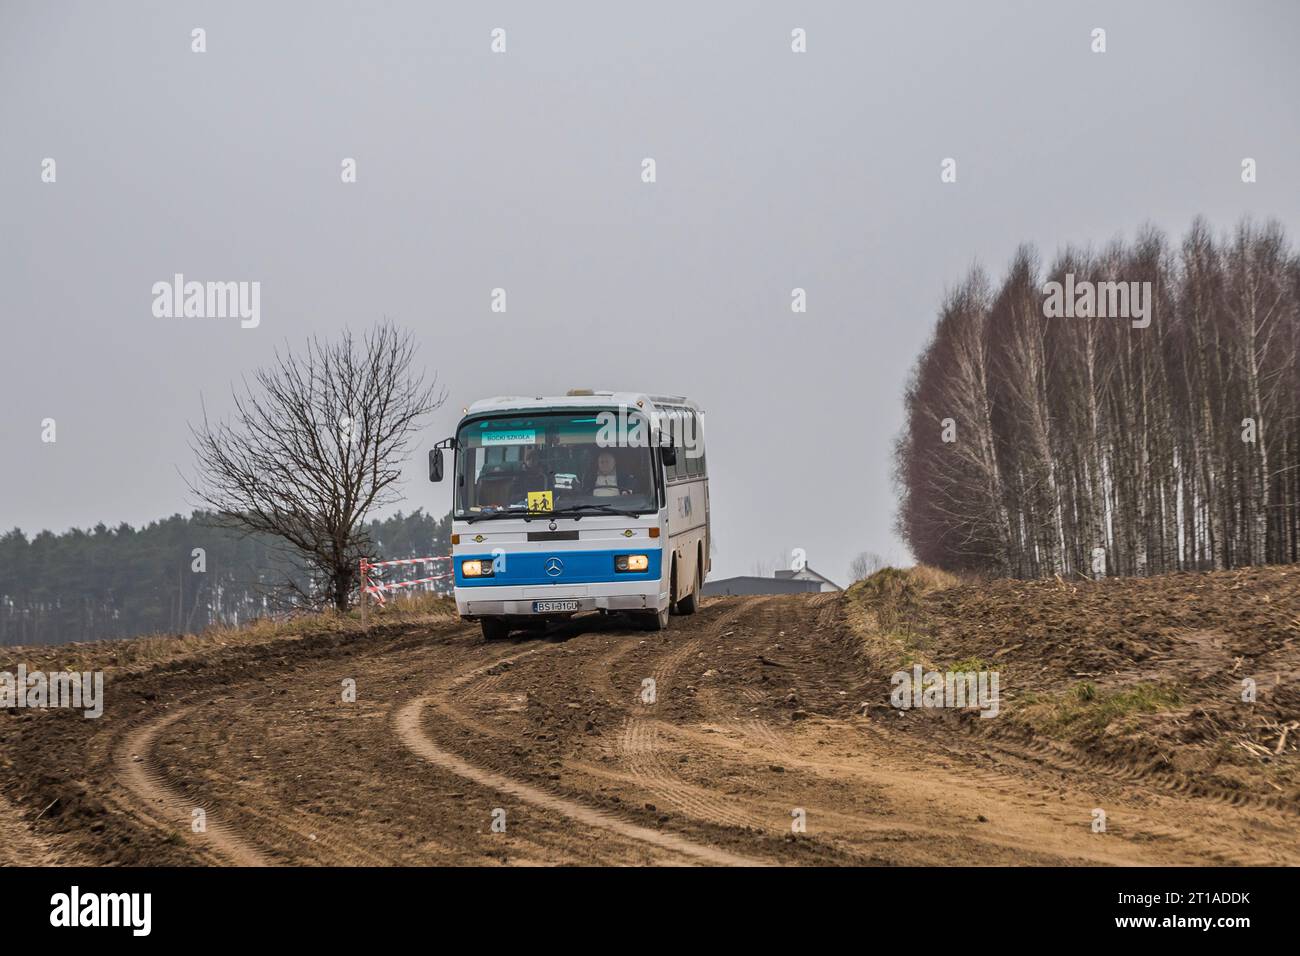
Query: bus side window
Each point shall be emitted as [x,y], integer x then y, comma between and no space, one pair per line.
[670,471]
[681,470]
[699,451]
[694,464]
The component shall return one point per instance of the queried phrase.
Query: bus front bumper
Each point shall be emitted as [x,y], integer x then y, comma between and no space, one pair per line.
[480,601]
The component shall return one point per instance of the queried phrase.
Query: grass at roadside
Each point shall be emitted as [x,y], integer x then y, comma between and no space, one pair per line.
[885,611]
[154,649]
[1085,709]
[889,613]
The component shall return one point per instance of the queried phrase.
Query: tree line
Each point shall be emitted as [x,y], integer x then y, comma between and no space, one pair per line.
[1037,444]
[177,575]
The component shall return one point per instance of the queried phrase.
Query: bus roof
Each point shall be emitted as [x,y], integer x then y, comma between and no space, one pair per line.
[584,398]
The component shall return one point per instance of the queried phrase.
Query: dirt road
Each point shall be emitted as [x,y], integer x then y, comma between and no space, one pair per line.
[736,737]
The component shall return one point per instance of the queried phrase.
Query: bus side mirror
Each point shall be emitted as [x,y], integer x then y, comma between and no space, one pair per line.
[669,455]
[435,464]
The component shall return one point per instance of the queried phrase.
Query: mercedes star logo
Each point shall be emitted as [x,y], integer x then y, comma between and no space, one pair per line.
[554,567]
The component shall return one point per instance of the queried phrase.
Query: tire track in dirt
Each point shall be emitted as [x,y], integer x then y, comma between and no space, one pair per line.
[408,723]
[317,839]
[638,743]
[467,686]
[463,687]
[641,755]
[920,804]
[139,771]
[753,744]
[1025,798]
[300,835]
[634,744]
[1065,758]
[641,751]
[164,808]
[297,834]
[310,837]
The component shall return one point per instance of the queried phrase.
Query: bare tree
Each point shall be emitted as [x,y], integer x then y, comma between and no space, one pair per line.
[865,565]
[957,468]
[315,442]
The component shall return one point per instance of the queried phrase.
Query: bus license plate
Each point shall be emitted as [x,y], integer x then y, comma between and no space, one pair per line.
[542,607]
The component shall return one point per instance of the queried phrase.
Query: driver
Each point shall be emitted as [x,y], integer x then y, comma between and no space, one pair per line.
[605,484]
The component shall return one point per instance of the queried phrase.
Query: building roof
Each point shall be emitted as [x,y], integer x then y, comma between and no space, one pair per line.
[807,574]
[754,584]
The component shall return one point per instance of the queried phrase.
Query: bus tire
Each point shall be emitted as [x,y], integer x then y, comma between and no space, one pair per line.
[494,629]
[688,604]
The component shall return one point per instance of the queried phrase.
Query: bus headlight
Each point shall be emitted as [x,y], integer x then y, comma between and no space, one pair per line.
[476,569]
[631,562]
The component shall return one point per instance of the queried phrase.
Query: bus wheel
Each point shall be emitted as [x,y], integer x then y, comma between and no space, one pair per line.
[494,629]
[656,620]
[688,604]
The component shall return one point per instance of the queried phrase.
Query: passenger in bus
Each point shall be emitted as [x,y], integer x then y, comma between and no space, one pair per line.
[531,477]
[532,461]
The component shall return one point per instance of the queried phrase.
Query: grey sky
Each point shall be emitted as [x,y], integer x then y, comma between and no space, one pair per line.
[522,170]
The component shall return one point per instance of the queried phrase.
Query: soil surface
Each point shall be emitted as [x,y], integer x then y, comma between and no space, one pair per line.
[755,732]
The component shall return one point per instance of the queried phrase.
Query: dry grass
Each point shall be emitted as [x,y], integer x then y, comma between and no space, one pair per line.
[1085,709]
[884,611]
[153,649]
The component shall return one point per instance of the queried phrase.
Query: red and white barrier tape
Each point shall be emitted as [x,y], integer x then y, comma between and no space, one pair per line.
[376,588]
[384,564]
[369,586]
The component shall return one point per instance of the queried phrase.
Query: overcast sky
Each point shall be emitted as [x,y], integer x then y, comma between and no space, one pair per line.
[522,170]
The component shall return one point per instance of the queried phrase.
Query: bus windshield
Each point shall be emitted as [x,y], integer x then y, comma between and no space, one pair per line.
[549,462]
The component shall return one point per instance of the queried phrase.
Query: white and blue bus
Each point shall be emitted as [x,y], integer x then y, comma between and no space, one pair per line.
[591,501]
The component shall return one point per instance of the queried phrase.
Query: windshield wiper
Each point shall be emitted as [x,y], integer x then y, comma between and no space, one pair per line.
[488,516]
[574,511]
[600,509]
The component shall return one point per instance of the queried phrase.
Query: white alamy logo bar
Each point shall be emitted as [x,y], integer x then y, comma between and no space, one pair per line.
[75,908]
[179,299]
